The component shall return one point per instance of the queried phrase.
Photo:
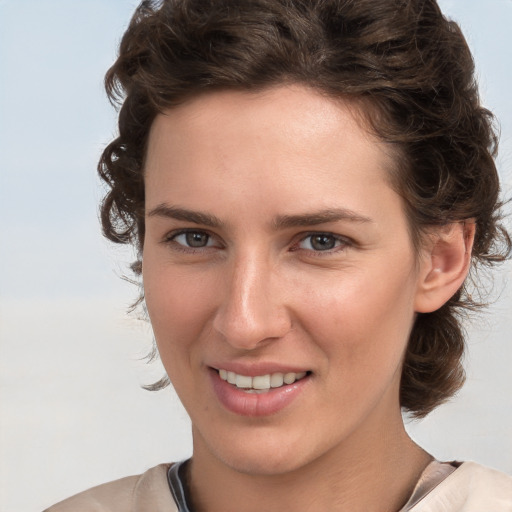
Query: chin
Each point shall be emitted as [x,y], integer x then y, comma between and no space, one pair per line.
[264,453]
[263,463]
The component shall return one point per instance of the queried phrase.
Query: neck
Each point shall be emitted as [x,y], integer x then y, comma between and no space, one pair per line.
[375,470]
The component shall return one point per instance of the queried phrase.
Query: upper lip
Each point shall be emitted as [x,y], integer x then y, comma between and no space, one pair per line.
[255,369]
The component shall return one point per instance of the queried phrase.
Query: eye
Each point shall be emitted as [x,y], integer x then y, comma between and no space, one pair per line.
[322,242]
[192,239]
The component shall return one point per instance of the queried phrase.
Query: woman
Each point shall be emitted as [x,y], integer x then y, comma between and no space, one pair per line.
[308,185]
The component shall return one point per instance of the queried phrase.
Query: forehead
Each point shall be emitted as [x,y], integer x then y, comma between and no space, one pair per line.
[296,113]
[299,102]
[276,147]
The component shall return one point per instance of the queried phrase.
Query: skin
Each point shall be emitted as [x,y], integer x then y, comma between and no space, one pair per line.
[261,291]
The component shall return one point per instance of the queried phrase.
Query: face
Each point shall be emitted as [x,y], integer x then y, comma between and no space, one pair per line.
[276,256]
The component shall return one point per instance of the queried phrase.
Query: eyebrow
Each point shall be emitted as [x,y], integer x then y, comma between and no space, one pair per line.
[319,217]
[173,212]
[280,222]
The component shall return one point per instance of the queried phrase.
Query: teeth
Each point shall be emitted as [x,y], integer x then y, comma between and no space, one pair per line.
[276,380]
[260,382]
[242,381]
[289,378]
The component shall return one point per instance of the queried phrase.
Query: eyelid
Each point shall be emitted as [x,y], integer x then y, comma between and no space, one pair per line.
[170,238]
[344,241]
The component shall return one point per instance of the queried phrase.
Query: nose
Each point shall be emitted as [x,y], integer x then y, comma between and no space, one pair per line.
[251,309]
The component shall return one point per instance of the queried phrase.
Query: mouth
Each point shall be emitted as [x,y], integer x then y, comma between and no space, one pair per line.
[260,395]
[260,383]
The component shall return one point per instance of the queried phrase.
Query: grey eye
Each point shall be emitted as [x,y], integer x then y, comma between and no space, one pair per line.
[194,239]
[323,242]
[197,239]
[320,242]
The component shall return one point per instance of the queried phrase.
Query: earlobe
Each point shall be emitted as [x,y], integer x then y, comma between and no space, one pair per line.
[444,265]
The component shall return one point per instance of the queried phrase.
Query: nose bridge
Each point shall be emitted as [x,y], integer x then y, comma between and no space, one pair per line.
[251,309]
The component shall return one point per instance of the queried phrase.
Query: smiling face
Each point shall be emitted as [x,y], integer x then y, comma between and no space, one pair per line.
[276,251]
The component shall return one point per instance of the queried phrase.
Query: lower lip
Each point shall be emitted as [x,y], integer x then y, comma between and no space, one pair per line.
[256,404]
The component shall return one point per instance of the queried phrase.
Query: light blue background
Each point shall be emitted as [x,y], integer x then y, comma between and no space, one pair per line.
[72,413]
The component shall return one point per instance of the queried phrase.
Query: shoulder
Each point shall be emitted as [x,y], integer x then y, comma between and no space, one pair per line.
[470,488]
[138,493]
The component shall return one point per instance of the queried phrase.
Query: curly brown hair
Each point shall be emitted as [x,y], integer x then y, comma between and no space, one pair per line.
[402,59]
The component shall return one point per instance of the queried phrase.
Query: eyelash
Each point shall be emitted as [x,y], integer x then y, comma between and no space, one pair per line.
[343,242]
[171,240]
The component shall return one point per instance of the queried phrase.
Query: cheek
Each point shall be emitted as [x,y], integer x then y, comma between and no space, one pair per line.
[360,320]
[362,329]
[180,306]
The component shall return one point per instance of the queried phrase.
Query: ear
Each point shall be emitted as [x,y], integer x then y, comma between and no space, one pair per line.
[444,264]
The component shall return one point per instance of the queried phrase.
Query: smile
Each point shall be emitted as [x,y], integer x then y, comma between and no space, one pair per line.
[260,383]
[258,395]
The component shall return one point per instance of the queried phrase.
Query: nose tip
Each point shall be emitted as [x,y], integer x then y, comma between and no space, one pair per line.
[251,311]
[246,331]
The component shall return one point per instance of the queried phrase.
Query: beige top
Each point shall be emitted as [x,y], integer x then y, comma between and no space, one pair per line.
[468,488]
[429,479]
